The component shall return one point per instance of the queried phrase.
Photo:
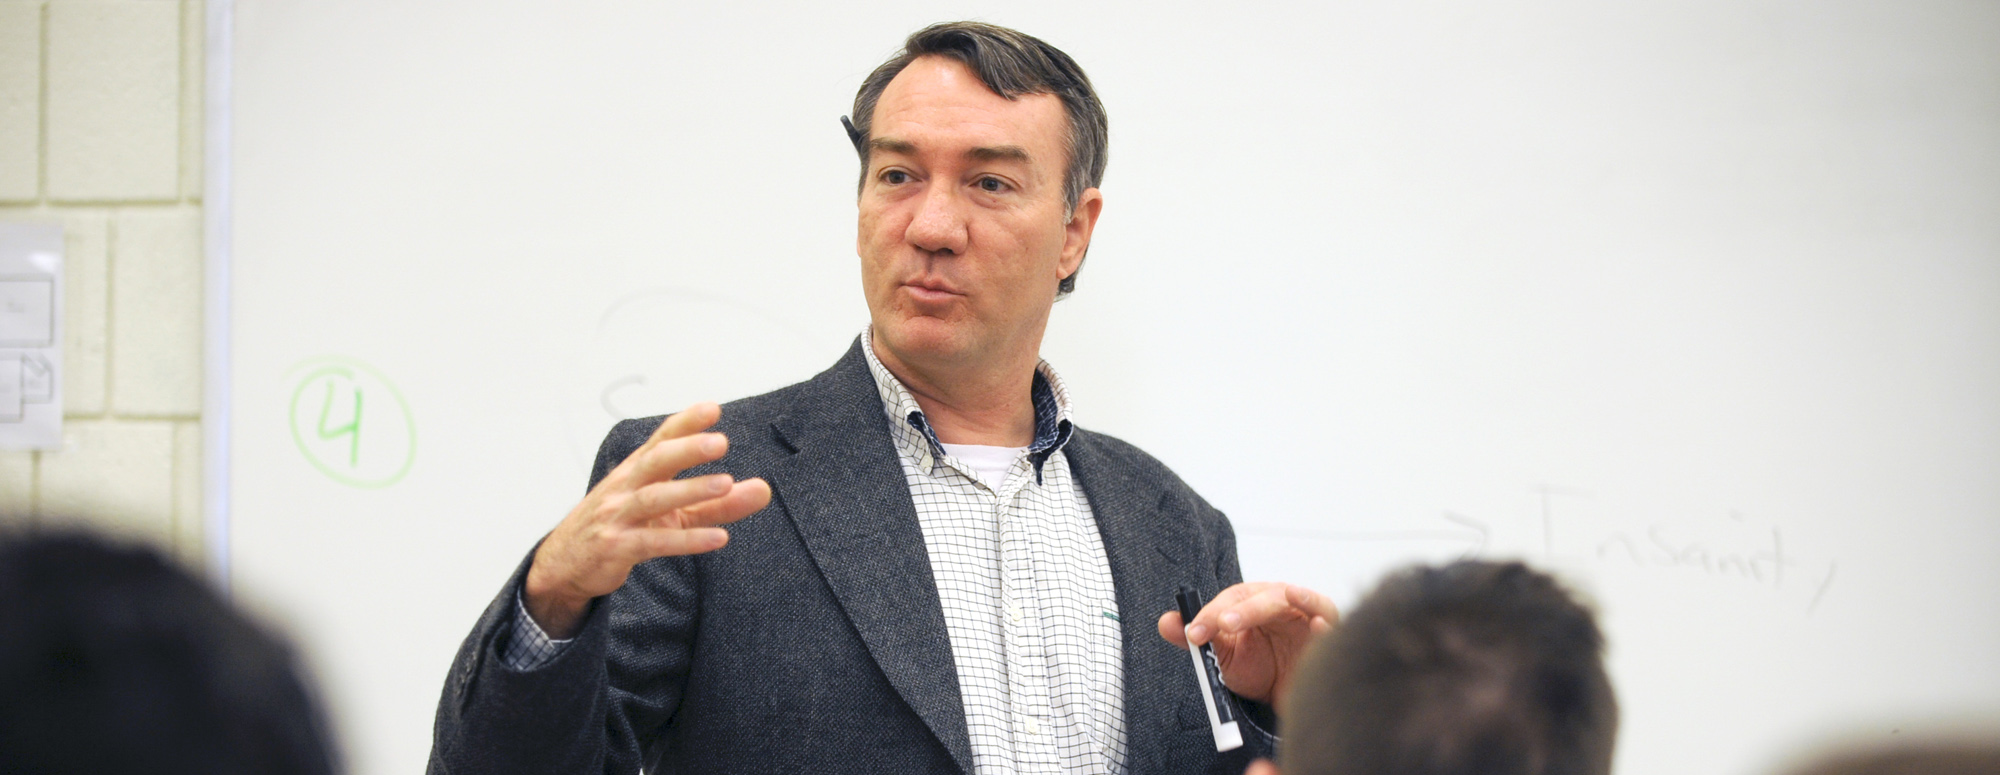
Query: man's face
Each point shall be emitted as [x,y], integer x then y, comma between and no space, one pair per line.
[963,231]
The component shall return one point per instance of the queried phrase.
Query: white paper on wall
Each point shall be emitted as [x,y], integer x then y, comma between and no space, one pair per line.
[31,295]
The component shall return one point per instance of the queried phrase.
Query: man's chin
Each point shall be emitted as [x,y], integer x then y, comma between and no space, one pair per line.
[924,340]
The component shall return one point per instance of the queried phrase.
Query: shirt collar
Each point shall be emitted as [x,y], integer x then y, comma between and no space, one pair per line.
[1051,400]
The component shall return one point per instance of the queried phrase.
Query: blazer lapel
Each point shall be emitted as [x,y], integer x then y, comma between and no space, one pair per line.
[843,488]
[1146,542]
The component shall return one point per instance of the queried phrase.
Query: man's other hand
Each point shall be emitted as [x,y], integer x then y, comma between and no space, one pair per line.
[1263,767]
[1259,629]
[638,512]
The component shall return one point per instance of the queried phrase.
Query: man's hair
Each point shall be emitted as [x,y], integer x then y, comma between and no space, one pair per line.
[114,660]
[1010,63]
[1475,668]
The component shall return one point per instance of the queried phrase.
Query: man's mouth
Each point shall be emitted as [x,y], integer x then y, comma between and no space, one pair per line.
[931,290]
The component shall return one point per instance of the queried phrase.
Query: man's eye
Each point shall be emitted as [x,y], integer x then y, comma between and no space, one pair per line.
[992,185]
[895,177]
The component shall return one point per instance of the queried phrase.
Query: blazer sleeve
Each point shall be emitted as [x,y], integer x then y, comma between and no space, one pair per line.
[591,708]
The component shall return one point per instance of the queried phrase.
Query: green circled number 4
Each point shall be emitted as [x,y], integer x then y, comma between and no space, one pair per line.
[352,429]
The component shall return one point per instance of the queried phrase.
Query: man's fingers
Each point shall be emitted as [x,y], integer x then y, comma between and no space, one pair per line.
[1171,629]
[1208,620]
[644,464]
[702,501]
[743,499]
[673,497]
[1232,594]
[665,459]
[1270,604]
[641,544]
[1319,606]
[1248,605]
[693,419]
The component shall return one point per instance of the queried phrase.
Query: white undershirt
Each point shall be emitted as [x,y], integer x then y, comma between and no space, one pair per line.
[991,463]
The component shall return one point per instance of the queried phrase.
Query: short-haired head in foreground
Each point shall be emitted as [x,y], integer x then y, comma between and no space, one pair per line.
[1011,63]
[1474,668]
[114,660]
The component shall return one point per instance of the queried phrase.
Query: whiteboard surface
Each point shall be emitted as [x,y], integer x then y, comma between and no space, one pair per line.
[1697,303]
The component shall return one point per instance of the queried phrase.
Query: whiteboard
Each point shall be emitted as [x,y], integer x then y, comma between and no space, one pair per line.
[1697,303]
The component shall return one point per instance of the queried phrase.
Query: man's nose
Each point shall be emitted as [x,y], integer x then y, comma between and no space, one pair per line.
[939,223]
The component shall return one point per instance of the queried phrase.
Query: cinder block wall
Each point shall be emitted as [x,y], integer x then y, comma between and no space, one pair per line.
[101,131]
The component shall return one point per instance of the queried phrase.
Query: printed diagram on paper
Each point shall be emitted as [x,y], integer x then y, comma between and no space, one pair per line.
[30,336]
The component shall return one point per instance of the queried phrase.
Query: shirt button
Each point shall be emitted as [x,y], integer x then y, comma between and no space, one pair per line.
[1031,726]
[1014,613]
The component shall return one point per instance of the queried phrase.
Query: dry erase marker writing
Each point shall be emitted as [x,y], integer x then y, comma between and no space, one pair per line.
[1214,696]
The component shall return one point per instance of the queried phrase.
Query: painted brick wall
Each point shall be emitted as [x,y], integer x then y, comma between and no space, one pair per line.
[100,130]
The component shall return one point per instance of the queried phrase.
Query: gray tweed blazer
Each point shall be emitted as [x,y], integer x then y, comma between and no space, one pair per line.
[814,641]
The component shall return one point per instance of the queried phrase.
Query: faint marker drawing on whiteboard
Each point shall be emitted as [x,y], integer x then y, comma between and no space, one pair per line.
[30,336]
[351,423]
[1693,549]
[1715,549]
[642,359]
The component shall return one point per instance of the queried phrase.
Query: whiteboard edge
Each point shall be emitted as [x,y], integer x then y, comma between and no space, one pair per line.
[216,232]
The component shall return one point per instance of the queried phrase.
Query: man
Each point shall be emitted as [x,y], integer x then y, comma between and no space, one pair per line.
[114,660]
[1475,668]
[949,576]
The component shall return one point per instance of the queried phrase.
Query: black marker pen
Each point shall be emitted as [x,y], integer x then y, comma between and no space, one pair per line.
[1221,712]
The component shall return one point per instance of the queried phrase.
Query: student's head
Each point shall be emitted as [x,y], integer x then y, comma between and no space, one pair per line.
[1474,668]
[114,660]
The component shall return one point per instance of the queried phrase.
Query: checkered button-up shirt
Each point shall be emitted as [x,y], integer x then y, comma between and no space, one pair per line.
[1025,587]
[1026,591]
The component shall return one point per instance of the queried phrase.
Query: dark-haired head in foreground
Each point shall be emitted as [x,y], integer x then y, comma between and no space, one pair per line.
[1475,668]
[114,660]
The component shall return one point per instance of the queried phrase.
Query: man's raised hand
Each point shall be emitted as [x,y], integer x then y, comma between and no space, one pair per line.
[638,512]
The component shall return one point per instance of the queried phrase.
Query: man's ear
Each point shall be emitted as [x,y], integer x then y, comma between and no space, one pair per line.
[1076,231]
[1262,767]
